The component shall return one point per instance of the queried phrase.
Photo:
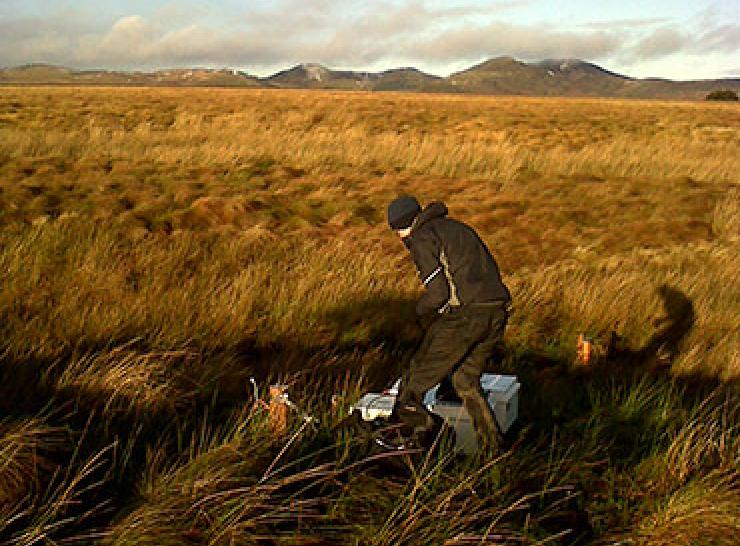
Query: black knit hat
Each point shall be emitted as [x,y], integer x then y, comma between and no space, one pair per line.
[402,211]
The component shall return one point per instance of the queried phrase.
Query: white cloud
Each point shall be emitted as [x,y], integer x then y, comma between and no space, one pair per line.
[621,24]
[725,38]
[670,40]
[130,40]
[526,42]
[363,35]
[661,42]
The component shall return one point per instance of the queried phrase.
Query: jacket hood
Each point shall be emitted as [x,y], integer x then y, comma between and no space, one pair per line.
[436,209]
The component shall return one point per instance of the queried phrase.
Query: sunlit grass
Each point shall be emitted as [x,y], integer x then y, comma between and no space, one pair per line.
[159,248]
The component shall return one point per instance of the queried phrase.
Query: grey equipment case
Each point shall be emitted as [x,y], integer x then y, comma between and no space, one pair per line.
[501,392]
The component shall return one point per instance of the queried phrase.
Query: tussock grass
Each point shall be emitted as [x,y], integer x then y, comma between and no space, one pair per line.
[628,295]
[704,511]
[709,439]
[22,451]
[159,248]
[49,486]
[130,380]
[726,217]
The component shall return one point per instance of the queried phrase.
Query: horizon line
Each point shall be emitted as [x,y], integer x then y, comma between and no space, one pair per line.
[269,75]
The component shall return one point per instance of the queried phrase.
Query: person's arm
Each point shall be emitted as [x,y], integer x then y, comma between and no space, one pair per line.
[425,252]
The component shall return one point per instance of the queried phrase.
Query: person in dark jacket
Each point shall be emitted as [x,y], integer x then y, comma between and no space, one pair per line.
[465,305]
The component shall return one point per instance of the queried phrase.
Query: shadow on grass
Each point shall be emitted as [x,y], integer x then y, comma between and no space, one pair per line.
[559,391]
[375,336]
[372,338]
[608,417]
[116,430]
[385,328]
[663,346]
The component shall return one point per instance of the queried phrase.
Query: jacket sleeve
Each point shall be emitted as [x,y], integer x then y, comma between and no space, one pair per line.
[425,253]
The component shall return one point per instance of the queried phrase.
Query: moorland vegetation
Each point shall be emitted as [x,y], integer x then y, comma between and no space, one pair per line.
[161,248]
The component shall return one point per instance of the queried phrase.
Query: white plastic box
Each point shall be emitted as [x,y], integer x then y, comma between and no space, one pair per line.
[377,405]
[501,391]
[503,396]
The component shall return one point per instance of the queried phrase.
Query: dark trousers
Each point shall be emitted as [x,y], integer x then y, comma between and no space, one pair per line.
[457,344]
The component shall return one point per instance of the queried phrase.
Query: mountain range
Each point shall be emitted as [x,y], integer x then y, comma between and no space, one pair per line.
[498,76]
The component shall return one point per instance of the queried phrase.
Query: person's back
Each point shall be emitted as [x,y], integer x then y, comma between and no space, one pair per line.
[442,246]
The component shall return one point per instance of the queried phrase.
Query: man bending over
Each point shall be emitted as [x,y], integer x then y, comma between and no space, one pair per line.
[466,306]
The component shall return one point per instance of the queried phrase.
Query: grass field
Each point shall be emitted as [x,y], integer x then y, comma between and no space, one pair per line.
[159,247]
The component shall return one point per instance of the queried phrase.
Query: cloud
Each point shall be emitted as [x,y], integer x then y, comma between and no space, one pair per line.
[129,39]
[360,37]
[526,42]
[661,42]
[275,34]
[622,24]
[669,40]
[134,40]
[355,32]
[31,39]
[725,38]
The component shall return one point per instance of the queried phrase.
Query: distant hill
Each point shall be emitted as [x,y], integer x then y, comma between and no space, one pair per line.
[570,77]
[669,89]
[498,76]
[573,78]
[412,79]
[315,76]
[37,74]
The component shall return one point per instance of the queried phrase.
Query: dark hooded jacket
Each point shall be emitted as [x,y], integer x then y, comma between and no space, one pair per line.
[454,264]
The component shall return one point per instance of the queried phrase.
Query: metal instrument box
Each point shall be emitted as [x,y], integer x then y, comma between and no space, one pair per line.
[501,392]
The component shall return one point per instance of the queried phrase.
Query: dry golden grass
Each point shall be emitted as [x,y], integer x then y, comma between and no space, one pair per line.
[704,512]
[23,448]
[160,246]
[540,176]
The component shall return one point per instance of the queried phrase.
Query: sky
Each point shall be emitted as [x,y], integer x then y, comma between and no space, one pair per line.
[660,38]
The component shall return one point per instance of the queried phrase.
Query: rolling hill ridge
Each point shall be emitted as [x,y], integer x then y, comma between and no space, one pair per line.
[497,76]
